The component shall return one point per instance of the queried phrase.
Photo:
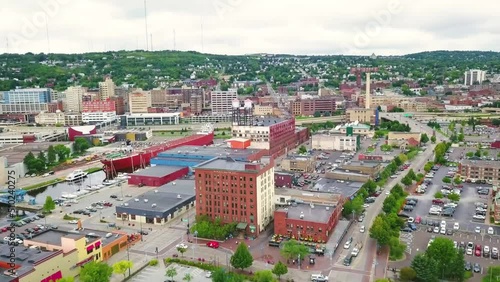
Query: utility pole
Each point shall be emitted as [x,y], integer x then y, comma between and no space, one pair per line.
[128,255]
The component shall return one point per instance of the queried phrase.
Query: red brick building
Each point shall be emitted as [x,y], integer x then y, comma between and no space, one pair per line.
[98,106]
[309,222]
[307,107]
[238,192]
[283,179]
[119,104]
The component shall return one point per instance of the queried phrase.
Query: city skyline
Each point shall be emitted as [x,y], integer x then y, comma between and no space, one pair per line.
[383,27]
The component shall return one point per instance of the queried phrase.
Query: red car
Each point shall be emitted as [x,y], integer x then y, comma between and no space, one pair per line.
[213,245]
[478,251]
[437,202]
[108,204]
[4,229]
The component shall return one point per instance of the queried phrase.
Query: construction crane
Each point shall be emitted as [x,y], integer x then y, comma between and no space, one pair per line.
[359,70]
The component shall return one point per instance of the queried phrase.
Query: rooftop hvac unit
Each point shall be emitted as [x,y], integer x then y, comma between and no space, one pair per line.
[156,191]
[153,205]
[301,215]
[327,208]
[137,200]
[173,183]
[145,200]
[179,197]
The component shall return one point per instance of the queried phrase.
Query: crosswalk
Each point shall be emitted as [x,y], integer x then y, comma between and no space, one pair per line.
[150,274]
[159,240]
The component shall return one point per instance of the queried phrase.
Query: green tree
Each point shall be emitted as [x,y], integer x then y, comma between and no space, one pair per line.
[96,272]
[81,145]
[403,158]
[51,155]
[263,276]
[397,248]
[428,166]
[122,267]
[292,249]
[426,269]
[67,279]
[469,155]
[62,152]
[317,114]
[280,269]
[188,277]
[242,258]
[181,250]
[389,204]
[457,180]
[407,181]
[424,138]
[492,274]
[302,149]
[433,139]
[443,252]
[380,231]
[446,179]
[29,157]
[398,161]
[171,272]
[49,205]
[454,197]
[478,153]
[42,158]
[411,174]
[407,274]
[438,195]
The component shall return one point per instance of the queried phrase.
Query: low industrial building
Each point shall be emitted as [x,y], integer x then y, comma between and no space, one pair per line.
[348,189]
[370,168]
[191,156]
[239,143]
[480,170]
[283,179]
[298,163]
[160,205]
[146,119]
[346,175]
[54,254]
[312,219]
[157,175]
[361,115]
[403,138]
[336,142]
[354,128]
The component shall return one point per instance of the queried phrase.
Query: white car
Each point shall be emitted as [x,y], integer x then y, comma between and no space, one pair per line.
[443,224]
[491,231]
[411,220]
[347,245]
[362,229]
[366,206]
[456,226]
[181,246]
[443,231]
[479,217]
[478,229]
[208,274]
[436,229]
[387,192]
[73,221]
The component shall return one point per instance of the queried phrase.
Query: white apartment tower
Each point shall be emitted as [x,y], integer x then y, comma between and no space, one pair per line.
[472,76]
[74,96]
[106,89]
[139,101]
[222,101]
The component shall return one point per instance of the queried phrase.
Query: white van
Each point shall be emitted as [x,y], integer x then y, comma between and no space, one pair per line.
[318,278]
[109,235]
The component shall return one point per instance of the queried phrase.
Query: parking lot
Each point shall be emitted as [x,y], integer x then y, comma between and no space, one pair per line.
[158,274]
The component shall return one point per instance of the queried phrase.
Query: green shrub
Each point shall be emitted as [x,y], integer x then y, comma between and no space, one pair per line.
[153,262]
[68,217]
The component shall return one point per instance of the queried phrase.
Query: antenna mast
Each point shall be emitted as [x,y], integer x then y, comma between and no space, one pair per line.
[174,41]
[202,47]
[47,31]
[146,24]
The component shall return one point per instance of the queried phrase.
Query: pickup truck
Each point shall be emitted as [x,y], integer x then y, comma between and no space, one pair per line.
[356,249]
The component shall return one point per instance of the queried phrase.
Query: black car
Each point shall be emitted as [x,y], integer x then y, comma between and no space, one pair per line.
[143,232]
[494,255]
[403,215]
[40,215]
[449,232]
[113,196]
[468,266]
[406,229]
[477,268]
[85,212]
[483,192]
[408,208]
[78,212]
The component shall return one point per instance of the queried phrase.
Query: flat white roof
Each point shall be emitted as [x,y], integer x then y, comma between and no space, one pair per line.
[238,139]
[154,115]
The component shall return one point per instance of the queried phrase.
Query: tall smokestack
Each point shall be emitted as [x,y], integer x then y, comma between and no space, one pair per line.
[368,99]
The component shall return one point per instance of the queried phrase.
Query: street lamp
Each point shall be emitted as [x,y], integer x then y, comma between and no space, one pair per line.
[128,254]
[140,223]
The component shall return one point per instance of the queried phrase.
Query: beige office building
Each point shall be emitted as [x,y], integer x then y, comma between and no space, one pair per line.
[222,101]
[361,115]
[139,101]
[106,89]
[74,96]
[260,110]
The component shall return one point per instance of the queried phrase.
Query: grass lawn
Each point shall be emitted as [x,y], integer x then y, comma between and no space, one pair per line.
[43,184]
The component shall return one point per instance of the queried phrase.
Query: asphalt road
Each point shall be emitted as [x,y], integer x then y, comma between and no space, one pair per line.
[367,258]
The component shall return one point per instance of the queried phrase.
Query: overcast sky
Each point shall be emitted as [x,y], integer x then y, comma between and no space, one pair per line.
[360,27]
